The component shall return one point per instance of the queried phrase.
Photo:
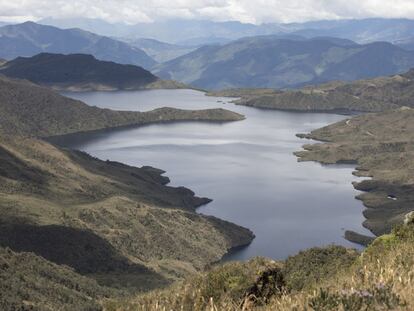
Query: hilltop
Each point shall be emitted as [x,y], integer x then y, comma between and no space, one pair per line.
[284,62]
[371,95]
[77,72]
[28,39]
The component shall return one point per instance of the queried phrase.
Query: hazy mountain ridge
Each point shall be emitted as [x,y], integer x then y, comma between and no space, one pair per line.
[269,61]
[29,39]
[161,51]
[174,31]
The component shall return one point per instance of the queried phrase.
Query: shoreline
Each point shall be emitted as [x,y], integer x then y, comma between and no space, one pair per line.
[384,157]
[350,235]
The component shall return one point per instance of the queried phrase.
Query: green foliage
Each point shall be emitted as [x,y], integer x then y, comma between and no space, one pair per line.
[379,297]
[29,282]
[311,266]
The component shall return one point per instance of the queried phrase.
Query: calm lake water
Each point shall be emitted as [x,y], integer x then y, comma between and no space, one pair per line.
[246,167]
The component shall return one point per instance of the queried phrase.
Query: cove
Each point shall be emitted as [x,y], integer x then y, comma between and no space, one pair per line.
[246,167]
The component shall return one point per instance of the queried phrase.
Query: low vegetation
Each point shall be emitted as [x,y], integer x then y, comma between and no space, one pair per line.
[118,224]
[332,278]
[104,227]
[29,282]
[372,95]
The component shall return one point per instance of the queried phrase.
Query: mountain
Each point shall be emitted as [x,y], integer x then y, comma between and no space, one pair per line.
[361,31]
[94,25]
[161,51]
[172,31]
[406,44]
[29,39]
[371,95]
[77,72]
[201,32]
[200,41]
[271,61]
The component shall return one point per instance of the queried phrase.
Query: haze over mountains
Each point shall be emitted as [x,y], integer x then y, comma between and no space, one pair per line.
[274,62]
[179,31]
[161,51]
[297,55]
[29,39]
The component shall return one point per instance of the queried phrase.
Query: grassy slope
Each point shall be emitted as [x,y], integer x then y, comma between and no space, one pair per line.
[371,95]
[27,109]
[29,282]
[119,225]
[331,279]
[131,224]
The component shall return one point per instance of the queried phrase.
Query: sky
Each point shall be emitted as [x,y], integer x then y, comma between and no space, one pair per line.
[248,11]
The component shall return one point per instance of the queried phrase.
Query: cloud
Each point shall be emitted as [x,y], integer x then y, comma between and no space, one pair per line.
[257,11]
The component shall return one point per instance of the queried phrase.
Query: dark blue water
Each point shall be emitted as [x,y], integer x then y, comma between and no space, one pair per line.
[247,168]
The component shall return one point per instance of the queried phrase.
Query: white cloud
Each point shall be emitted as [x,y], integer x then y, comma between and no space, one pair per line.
[255,11]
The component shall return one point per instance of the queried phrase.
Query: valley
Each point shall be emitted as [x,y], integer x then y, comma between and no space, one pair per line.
[175,156]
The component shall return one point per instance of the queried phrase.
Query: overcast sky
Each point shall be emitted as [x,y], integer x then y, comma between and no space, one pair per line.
[252,11]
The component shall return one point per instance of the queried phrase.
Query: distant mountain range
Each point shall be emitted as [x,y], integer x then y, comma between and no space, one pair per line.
[77,72]
[29,39]
[203,32]
[161,51]
[172,31]
[269,61]
[361,31]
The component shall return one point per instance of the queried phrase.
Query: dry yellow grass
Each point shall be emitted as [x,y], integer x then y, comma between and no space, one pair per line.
[381,278]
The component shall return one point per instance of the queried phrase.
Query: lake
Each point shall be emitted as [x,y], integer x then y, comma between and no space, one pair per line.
[246,167]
